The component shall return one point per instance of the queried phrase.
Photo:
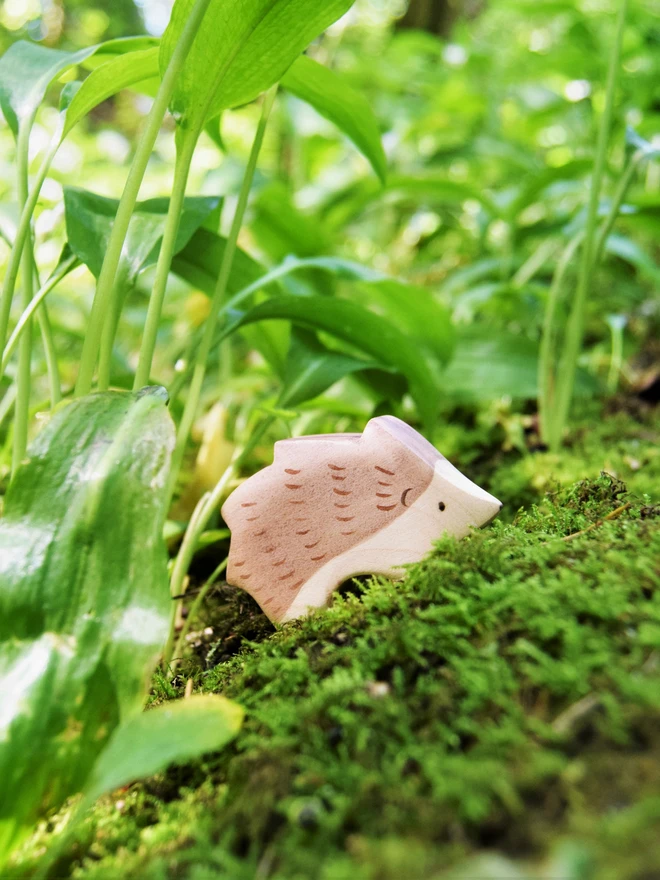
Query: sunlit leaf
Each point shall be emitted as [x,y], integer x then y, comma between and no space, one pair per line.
[369,333]
[89,219]
[488,364]
[416,312]
[311,368]
[534,184]
[27,69]
[336,100]
[345,270]
[199,264]
[433,188]
[169,734]
[241,49]
[84,599]
[282,229]
[632,252]
[199,261]
[119,73]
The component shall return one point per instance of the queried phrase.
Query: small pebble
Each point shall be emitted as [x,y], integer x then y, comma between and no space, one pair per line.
[378,689]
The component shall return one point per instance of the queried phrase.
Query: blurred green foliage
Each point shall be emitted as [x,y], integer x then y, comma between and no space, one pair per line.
[488,119]
[489,143]
[69,24]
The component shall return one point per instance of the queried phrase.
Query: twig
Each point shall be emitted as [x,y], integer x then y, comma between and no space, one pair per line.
[566,720]
[614,514]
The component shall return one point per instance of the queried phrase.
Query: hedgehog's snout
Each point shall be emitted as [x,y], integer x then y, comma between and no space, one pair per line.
[460,504]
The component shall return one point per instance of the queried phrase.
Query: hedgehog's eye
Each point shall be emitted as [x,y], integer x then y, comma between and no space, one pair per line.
[442,505]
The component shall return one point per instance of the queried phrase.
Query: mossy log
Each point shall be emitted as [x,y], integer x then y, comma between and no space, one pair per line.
[501,704]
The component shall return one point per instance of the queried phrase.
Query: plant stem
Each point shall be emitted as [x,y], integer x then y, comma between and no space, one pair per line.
[7,402]
[575,328]
[22,410]
[106,283]
[181,170]
[120,291]
[624,183]
[172,659]
[198,522]
[22,233]
[52,282]
[547,378]
[205,508]
[200,517]
[219,293]
[616,359]
[50,353]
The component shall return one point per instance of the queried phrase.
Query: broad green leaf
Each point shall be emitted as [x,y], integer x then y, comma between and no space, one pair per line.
[27,70]
[430,188]
[84,599]
[242,48]
[533,185]
[311,369]
[108,79]
[637,142]
[172,733]
[462,279]
[119,46]
[411,308]
[427,188]
[199,262]
[367,332]
[344,269]
[282,229]
[488,364]
[630,251]
[416,312]
[89,219]
[55,716]
[331,96]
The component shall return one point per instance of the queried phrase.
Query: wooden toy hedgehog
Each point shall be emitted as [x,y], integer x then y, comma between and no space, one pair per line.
[333,506]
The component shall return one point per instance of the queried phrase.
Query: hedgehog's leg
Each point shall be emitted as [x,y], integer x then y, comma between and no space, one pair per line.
[316,592]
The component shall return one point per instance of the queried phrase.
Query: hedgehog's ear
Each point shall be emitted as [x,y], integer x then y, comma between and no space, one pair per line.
[378,432]
[390,431]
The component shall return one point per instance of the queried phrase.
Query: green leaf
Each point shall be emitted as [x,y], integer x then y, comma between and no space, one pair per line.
[119,73]
[27,70]
[369,333]
[89,219]
[344,269]
[119,46]
[416,312]
[430,188]
[281,228]
[488,364]
[169,734]
[311,369]
[199,262]
[331,96]
[630,251]
[242,48]
[533,185]
[637,142]
[84,599]
[411,308]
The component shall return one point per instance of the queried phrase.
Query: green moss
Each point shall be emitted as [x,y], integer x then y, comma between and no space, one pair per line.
[626,448]
[504,697]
